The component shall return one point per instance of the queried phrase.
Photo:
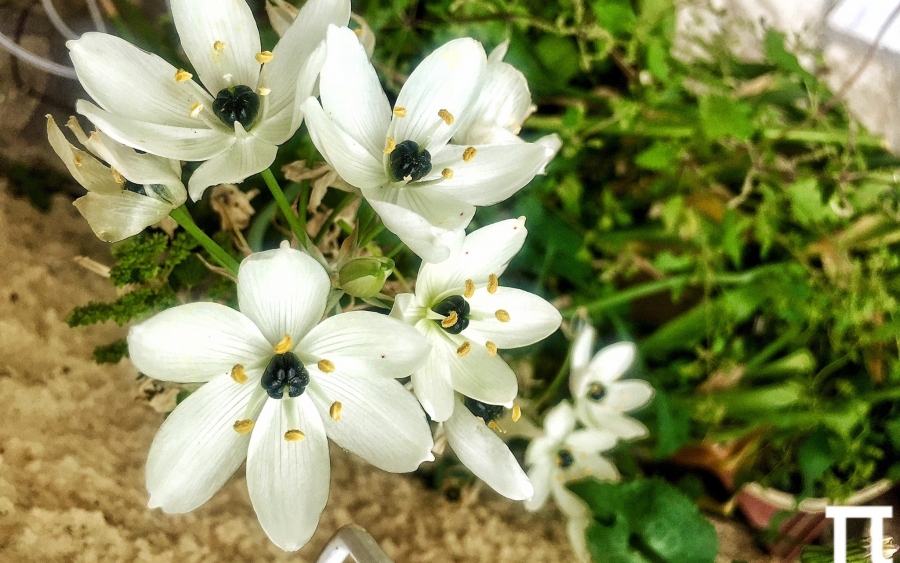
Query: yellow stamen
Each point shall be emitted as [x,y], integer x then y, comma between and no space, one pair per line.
[183,75]
[196,109]
[335,411]
[470,289]
[516,413]
[447,173]
[450,320]
[400,112]
[264,57]
[491,348]
[446,116]
[493,283]
[117,176]
[464,350]
[325,366]
[238,374]
[469,154]
[502,316]
[243,426]
[294,436]
[219,46]
[390,146]
[285,345]
[494,426]
[79,162]
[264,90]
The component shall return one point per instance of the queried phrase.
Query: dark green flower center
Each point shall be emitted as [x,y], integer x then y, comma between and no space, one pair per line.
[453,304]
[285,370]
[596,392]
[564,458]
[239,103]
[410,161]
[487,413]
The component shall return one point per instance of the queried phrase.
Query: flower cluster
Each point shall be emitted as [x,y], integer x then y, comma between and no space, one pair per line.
[289,370]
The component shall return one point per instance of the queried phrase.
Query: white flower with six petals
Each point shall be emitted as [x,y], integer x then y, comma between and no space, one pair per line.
[250,103]
[277,382]
[423,187]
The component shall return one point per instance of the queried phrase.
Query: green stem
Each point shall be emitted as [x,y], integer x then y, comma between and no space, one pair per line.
[550,393]
[218,253]
[629,294]
[348,199]
[297,225]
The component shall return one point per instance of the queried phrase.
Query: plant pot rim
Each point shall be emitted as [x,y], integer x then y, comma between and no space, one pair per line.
[786,501]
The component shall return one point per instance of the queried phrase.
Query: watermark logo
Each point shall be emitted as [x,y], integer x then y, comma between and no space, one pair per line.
[875,515]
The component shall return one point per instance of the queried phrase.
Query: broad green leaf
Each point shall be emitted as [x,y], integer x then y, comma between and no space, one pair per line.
[659,156]
[814,457]
[806,202]
[721,116]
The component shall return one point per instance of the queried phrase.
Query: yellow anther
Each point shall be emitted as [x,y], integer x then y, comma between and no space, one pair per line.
[491,348]
[446,116]
[264,90]
[516,413]
[325,366]
[494,426]
[219,46]
[79,162]
[469,154]
[502,316]
[450,320]
[294,436]
[285,345]
[464,350]
[447,173]
[335,411]
[243,426]
[400,112]
[470,289]
[196,109]
[264,57]
[358,31]
[238,374]
[183,75]
[390,145]
[117,176]
[493,283]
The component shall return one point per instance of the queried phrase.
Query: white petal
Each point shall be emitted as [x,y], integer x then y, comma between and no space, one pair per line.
[479,375]
[407,309]
[131,82]
[144,169]
[196,450]
[540,475]
[552,144]
[568,502]
[600,416]
[93,175]
[580,356]
[349,158]
[283,291]
[380,421]
[244,158]
[448,79]
[531,318]
[281,15]
[485,251]
[431,382]
[201,23]
[430,224]
[592,465]
[611,363]
[499,52]
[118,216]
[493,174]
[485,454]
[170,141]
[576,528]
[504,102]
[628,395]
[542,449]
[357,344]
[590,441]
[351,92]
[560,421]
[288,481]
[195,342]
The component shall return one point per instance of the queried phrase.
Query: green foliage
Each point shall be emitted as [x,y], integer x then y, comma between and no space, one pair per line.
[111,353]
[645,521]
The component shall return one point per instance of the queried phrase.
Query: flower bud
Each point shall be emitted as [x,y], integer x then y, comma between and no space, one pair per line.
[364,277]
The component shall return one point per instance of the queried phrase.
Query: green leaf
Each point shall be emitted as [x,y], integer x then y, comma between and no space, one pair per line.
[111,353]
[672,426]
[137,258]
[814,457]
[806,202]
[777,54]
[658,157]
[658,60]
[559,57]
[720,117]
[616,16]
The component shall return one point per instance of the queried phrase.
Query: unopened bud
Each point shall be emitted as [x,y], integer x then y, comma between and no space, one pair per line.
[364,277]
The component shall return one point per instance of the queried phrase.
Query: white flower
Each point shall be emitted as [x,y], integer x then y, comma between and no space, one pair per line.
[124,198]
[250,103]
[502,107]
[601,399]
[468,317]
[272,369]
[282,14]
[564,454]
[422,187]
